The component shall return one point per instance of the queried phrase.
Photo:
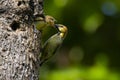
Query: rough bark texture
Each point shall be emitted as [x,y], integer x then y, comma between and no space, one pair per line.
[19,40]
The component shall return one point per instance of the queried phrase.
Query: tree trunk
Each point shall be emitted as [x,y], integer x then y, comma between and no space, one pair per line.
[19,40]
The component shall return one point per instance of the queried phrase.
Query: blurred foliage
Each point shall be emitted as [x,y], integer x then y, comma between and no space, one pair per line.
[91,50]
[99,71]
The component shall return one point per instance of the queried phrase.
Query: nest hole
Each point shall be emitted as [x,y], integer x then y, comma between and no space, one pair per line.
[20,2]
[15,25]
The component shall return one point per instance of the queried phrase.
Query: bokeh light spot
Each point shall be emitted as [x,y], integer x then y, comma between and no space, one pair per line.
[60,3]
[76,54]
[66,74]
[92,23]
[109,8]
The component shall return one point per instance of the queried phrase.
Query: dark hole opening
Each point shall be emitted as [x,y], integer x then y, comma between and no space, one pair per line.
[19,3]
[15,25]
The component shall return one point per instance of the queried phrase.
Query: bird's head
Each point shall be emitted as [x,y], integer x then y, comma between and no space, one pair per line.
[50,20]
[62,29]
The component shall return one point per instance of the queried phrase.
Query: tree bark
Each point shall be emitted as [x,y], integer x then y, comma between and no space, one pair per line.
[19,40]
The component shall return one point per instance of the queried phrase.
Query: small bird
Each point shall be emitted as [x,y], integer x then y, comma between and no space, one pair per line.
[53,43]
[45,22]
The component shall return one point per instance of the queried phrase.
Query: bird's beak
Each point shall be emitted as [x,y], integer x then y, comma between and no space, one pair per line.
[56,26]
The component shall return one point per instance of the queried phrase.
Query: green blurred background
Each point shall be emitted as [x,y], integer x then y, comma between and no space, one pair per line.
[91,49]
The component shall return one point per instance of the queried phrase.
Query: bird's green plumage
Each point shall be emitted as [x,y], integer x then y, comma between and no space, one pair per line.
[50,47]
[53,43]
[41,25]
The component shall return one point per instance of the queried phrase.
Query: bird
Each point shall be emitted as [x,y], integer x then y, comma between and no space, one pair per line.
[53,43]
[44,22]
